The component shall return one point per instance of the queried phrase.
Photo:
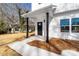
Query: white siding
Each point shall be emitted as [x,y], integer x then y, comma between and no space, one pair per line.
[54,28]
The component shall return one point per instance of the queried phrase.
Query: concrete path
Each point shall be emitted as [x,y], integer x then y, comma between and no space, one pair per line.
[27,50]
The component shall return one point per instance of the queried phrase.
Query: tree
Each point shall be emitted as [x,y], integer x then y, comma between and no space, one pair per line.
[8,16]
[21,19]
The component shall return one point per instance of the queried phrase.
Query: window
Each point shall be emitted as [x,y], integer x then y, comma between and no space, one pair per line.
[75,24]
[64,24]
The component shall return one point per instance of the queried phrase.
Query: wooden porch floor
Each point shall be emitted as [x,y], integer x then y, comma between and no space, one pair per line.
[56,45]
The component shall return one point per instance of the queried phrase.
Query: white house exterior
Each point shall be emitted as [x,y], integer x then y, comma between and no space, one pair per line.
[64,11]
[56,13]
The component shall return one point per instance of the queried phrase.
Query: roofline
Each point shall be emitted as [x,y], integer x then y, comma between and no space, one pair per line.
[75,11]
[36,11]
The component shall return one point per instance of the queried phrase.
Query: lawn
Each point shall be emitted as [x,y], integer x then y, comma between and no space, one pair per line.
[9,38]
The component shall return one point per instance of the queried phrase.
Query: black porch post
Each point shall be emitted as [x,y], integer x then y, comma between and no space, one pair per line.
[47,27]
[27,29]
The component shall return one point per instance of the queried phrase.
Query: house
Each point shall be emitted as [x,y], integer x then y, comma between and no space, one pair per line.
[51,21]
[60,21]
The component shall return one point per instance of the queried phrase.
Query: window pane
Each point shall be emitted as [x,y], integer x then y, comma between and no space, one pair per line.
[75,24]
[75,28]
[64,23]
[75,21]
[65,29]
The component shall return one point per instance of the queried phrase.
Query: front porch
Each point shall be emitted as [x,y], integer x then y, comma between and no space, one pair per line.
[41,18]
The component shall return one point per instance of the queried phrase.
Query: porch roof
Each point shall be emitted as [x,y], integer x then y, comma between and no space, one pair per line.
[41,13]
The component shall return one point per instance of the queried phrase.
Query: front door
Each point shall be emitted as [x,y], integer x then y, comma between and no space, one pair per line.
[39,28]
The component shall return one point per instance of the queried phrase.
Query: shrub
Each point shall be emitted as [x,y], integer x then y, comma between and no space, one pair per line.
[3,27]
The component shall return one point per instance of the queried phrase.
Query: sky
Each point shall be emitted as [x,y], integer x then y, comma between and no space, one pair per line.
[27,6]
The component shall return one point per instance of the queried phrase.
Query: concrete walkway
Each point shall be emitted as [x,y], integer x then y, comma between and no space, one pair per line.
[27,50]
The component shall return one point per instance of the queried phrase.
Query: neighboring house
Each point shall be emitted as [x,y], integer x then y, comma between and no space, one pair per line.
[59,21]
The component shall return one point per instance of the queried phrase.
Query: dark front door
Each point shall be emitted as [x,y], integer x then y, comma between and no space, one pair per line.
[39,28]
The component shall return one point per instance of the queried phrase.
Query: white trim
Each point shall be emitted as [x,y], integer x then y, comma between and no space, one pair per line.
[75,11]
[70,26]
